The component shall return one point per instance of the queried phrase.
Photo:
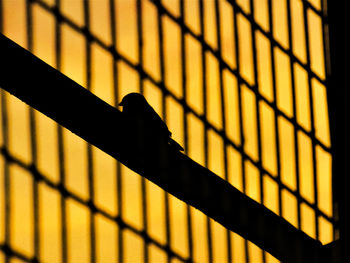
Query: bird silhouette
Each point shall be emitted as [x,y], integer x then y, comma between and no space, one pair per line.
[137,109]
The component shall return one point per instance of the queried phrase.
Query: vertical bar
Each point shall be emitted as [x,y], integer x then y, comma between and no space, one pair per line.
[205,111]
[143,179]
[185,123]
[88,75]
[33,142]
[296,144]
[60,142]
[312,119]
[257,108]
[241,148]
[164,93]
[113,47]
[221,68]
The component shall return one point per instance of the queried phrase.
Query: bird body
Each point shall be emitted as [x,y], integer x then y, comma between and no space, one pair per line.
[137,109]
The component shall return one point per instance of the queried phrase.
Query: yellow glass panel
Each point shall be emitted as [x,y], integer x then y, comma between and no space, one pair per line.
[194,73]
[264,66]
[255,253]
[326,230]
[231,107]
[316,43]
[219,239]
[73,10]
[210,34]
[154,96]
[178,226]
[287,153]
[46,131]
[131,196]
[320,108]
[14,27]
[192,18]
[21,196]
[324,180]
[238,248]
[261,13]
[172,56]
[99,19]
[234,168]
[245,49]
[216,154]
[199,230]
[308,220]
[227,33]
[78,235]
[156,212]
[271,259]
[271,194]
[73,54]
[105,185]
[280,23]
[126,26]
[302,97]
[102,74]
[128,80]
[298,30]
[76,168]
[18,128]
[306,173]
[150,39]
[252,181]
[283,82]
[156,255]
[175,119]
[289,208]
[106,240]
[50,224]
[268,138]
[214,112]
[132,243]
[44,35]
[249,123]
[195,139]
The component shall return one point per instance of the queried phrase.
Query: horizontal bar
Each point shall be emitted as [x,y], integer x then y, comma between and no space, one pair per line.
[75,108]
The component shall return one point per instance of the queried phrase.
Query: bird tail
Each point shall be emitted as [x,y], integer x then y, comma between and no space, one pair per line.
[175,145]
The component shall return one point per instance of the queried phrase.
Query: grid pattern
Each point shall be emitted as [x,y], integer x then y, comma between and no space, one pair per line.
[252,80]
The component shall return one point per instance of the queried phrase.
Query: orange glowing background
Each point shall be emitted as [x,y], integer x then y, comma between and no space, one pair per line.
[73,64]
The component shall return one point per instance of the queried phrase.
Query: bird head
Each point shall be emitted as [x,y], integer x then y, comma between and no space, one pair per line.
[133,103]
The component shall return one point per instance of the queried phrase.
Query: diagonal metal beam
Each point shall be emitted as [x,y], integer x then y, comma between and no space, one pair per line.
[75,108]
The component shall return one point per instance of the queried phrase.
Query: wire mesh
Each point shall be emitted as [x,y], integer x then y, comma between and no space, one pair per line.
[259,110]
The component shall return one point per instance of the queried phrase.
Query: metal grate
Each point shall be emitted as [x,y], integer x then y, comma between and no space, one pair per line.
[248,87]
